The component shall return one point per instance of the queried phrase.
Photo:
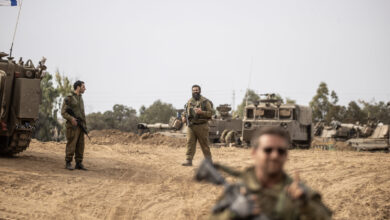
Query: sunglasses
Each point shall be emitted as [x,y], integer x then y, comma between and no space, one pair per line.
[281,151]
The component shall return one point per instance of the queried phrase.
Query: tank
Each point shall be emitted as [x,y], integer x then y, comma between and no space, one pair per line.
[378,140]
[336,134]
[271,112]
[371,136]
[174,128]
[20,96]
[223,127]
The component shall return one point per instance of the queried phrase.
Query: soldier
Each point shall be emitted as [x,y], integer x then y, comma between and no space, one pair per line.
[270,192]
[74,133]
[198,112]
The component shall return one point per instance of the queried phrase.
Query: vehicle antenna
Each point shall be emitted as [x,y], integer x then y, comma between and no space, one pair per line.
[16,27]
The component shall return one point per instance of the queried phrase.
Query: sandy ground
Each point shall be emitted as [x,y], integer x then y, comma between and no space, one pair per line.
[146,181]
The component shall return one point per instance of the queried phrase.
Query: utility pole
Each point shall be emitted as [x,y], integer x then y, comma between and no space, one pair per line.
[234,100]
[249,82]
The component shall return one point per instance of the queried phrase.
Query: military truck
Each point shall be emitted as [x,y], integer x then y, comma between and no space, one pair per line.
[223,127]
[20,96]
[271,112]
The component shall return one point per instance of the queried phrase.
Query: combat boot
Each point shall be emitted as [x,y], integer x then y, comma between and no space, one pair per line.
[80,166]
[188,163]
[68,165]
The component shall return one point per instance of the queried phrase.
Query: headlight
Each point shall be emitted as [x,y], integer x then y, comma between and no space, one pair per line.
[29,74]
[247,125]
[283,125]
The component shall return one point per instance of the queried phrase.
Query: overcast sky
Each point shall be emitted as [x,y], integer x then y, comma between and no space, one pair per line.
[135,52]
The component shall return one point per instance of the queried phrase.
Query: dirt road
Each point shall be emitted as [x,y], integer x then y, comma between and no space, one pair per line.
[139,181]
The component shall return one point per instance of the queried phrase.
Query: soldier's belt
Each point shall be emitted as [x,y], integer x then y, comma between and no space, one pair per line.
[199,123]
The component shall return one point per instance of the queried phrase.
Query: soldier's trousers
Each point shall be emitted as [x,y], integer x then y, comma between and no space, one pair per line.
[75,144]
[198,133]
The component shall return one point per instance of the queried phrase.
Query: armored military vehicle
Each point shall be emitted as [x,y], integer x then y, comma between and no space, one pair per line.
[174,128]
[271,112]
[175,125]
[223,127]
[371,136]
[20,96]
[332,136]
[379,139]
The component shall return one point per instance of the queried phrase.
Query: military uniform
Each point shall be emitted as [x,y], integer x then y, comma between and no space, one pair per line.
[198,128]
[274,202]
[74,134]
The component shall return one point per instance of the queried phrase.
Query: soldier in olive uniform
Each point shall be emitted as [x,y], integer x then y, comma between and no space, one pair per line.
[197,114]
[74,134]
[270,193]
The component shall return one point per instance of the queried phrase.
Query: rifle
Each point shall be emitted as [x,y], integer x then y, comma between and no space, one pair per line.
[238,202]
[79,121]
[188,122]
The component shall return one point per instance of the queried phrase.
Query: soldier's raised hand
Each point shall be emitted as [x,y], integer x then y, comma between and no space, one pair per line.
[198,110]
[295,191]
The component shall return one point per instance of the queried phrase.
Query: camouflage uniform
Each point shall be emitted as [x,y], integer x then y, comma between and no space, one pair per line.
[274,202]
[74,134]
[198,128]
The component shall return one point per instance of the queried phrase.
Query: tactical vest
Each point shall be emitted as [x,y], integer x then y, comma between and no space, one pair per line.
[76,103]
[202,104]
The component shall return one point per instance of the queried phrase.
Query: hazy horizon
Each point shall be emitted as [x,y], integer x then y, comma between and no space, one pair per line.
[135,52]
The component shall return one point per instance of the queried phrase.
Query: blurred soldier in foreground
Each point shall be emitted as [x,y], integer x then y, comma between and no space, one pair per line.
[198,112]
[265,191]
[73,111]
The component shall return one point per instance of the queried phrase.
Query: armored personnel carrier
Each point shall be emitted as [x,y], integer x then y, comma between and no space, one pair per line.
[20,96]
[271,112]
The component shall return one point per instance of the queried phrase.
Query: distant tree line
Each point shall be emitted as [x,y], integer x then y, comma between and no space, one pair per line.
[125,118]
[325,108]
[50,128]
[120,117]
